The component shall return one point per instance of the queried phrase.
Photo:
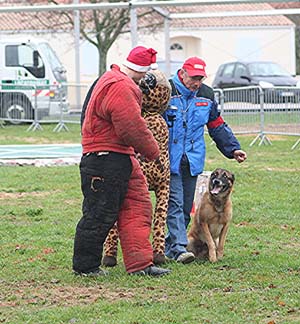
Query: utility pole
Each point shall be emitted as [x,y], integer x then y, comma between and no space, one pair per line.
[77,54]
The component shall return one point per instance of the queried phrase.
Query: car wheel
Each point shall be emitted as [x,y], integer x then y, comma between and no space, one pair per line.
[16,108]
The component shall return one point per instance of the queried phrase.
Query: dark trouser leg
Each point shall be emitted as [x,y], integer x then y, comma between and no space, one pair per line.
[182,190]
[189,186]
[104,182]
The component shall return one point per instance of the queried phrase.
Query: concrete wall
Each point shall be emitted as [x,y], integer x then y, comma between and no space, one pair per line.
[217,46]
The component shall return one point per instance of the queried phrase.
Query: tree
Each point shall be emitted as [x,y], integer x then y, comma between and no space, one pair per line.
[296,20]
[100,27]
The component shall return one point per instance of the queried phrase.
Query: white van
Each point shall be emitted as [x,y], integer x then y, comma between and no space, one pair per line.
[32,80]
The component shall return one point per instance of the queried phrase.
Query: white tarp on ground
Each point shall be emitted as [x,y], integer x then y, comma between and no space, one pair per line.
[47,151]
[40,155]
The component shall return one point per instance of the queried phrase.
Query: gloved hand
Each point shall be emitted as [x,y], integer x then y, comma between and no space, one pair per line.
[140,157]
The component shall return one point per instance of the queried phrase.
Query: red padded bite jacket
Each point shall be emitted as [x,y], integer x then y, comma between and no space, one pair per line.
[113,120]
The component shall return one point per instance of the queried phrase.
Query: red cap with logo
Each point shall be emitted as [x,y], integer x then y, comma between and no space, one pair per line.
[194,66]
[140,59]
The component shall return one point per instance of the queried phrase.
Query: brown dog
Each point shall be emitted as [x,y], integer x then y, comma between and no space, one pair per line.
[207,235]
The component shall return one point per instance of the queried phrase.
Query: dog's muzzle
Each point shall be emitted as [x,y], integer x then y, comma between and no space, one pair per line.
[218,186]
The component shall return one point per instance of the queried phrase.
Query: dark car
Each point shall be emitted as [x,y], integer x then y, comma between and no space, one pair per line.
[270,76]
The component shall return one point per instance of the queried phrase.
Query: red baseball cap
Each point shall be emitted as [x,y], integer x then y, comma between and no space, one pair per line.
[194,66]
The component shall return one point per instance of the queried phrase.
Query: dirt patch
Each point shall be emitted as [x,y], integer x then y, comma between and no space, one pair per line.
[34,140]
[49,294]
[276,128]
[14,195]
[283,169]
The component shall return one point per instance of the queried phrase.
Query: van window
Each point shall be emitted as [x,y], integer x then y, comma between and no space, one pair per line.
[220,70]
[240,70]
[23,56]
[228,70]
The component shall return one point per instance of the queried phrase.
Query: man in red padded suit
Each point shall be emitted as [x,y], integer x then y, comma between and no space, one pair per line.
[113,185]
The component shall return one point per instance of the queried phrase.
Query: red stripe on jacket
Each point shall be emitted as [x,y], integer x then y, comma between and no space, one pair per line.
[215,123]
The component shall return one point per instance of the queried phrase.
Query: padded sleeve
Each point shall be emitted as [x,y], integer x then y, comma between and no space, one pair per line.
[125,112]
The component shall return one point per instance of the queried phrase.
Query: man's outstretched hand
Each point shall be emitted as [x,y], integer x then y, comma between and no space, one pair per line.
[240,155]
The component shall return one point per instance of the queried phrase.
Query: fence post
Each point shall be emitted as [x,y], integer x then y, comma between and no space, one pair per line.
[35,125]
[61,125]
[296,144]
[222,100]
[261,136]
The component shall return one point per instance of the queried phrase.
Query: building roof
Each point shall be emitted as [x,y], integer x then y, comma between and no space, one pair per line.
[289,5]
[285,4]
[59,21]
[242,21]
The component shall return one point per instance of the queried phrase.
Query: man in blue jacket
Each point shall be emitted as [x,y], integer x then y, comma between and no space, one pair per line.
[192,106]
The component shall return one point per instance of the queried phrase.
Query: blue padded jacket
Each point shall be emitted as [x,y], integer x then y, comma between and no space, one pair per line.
[188,113]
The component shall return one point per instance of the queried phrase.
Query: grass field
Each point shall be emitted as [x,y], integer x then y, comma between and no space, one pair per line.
[258,281]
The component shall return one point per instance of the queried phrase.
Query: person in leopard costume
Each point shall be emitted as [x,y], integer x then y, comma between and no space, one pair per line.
[156,95]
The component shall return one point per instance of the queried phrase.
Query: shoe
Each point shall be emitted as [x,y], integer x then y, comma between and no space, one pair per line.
[151,271]
[186,257]
[96,273]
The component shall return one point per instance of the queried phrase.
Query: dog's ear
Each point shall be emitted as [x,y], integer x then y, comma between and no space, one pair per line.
[232,177]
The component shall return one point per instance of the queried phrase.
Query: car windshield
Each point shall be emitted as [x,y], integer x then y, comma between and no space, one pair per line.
[51,56]
[266,69]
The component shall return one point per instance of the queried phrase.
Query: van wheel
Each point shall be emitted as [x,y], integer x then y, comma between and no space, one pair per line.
[16,109]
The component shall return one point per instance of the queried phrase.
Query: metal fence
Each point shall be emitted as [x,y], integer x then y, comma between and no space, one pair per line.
[37,105]
[248,110]
[262,112]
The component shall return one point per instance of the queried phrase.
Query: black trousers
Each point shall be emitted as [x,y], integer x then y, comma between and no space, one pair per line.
[104,183]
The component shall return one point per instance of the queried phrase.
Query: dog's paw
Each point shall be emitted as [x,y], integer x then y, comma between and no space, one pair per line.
[220,255]
[213,258]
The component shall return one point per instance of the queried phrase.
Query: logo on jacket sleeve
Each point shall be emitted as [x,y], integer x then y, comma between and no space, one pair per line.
[201,103]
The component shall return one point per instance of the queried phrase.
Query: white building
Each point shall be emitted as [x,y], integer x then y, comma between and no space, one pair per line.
[216,40]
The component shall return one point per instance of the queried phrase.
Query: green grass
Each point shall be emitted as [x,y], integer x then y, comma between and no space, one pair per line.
[289,119]
[258,281]
[11,134]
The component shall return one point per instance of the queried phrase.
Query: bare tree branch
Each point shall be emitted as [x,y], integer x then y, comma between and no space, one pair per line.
[99,27]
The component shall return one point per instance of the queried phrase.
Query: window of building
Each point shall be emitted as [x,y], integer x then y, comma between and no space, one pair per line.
[176,46]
